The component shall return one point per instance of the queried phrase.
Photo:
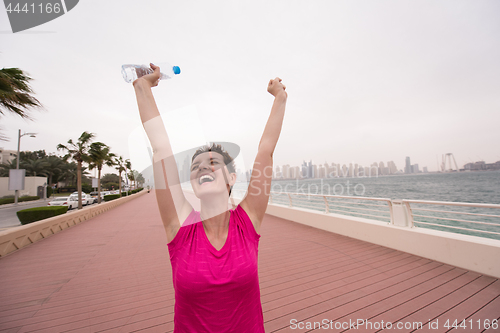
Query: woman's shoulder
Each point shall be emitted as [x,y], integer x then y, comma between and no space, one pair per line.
[243,220]
[186,229]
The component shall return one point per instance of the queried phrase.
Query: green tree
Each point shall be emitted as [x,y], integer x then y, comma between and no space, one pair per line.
[35,167]
[128,166]
[131,177]
[110,180]
[120,167]
[139,178]
[54,167]
[6,166]
[69,173]
[99,156]
[78,152]
[32,155]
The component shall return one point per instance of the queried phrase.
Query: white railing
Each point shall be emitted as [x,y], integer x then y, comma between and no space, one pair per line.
[344,205]
[447,220]
[464,219]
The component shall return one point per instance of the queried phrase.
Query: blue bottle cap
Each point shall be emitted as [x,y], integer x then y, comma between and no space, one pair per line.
[176,69]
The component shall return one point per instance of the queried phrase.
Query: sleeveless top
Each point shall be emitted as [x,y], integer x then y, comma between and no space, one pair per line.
[216,291]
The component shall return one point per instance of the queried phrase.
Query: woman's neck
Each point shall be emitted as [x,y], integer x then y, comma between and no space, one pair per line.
[215,216]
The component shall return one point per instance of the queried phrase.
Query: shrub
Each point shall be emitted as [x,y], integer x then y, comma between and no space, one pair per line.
[9,200]
[124,194]
[4,201]
[29,198]
[110,197]
[39,213]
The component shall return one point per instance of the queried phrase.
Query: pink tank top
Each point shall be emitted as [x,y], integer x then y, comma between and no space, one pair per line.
[216,291]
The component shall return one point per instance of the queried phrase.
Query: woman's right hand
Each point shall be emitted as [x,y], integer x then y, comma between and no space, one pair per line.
[152,79]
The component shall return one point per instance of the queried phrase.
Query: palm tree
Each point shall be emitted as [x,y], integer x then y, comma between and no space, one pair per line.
[68,173]
[131,177]
[55,166]
[34,167]
[120,167]
[78,152]
[6,166]
[139,178]
[128,166]
[98,156]
[15,93]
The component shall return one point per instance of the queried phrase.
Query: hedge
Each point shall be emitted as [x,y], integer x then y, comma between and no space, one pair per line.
[137,190]
[124,194]
[110,197]
[39,213]
[4,201]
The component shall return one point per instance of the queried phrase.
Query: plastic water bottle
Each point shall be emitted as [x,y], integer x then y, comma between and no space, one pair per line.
[133,72]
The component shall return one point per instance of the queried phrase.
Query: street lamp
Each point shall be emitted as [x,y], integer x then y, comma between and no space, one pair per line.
[32,135]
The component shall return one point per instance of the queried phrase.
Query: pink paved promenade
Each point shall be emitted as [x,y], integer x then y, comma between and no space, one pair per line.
[112,274]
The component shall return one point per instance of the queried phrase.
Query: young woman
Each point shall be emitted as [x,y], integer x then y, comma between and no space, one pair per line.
[213,252]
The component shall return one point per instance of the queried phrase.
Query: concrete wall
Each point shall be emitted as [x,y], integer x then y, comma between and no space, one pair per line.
[30,186]
[17,238]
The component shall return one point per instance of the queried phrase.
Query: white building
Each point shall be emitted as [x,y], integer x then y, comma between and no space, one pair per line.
[7,155]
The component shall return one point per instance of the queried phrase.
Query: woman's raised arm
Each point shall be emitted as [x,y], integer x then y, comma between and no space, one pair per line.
[255,202]
[173,206]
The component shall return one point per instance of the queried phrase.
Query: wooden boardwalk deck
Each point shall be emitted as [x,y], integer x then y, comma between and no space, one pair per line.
[112,274]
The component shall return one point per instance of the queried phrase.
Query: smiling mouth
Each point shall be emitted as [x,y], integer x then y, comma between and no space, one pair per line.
[205,179]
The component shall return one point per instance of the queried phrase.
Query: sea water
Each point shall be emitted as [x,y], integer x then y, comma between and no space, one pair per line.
[469,187]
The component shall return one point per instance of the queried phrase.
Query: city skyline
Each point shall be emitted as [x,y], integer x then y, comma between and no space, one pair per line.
[319,170]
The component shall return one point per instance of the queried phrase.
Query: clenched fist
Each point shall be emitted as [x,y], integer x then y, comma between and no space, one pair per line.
[275,87]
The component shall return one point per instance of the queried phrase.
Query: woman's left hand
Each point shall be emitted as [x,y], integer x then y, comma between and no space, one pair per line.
[275,87]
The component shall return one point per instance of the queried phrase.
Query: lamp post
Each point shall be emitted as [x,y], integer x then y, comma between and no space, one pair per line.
[32,135]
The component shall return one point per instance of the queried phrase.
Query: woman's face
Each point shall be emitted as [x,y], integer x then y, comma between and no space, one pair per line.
[209,175]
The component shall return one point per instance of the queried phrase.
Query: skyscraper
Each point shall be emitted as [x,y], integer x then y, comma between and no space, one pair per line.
[408,165]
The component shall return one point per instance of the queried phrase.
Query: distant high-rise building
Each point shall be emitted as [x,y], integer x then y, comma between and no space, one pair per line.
[310,170]
[392,167]
[414,168]
[343,172]
[185,171]
[277,172]
[304,170]
[285,171]
[321,171]
[425,170]
[382,169]
[408,165]
[350,171]
[374,170]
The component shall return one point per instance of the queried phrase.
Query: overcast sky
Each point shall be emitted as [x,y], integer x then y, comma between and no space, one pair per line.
[366,80]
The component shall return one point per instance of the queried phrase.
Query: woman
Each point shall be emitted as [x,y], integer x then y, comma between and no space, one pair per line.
[213,252]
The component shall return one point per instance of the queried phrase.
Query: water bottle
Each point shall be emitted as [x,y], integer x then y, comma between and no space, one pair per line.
[133,72]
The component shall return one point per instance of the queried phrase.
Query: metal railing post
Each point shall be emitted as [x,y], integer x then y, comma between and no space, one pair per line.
[410,213]
[391,213]
[290,199]
[327,208]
